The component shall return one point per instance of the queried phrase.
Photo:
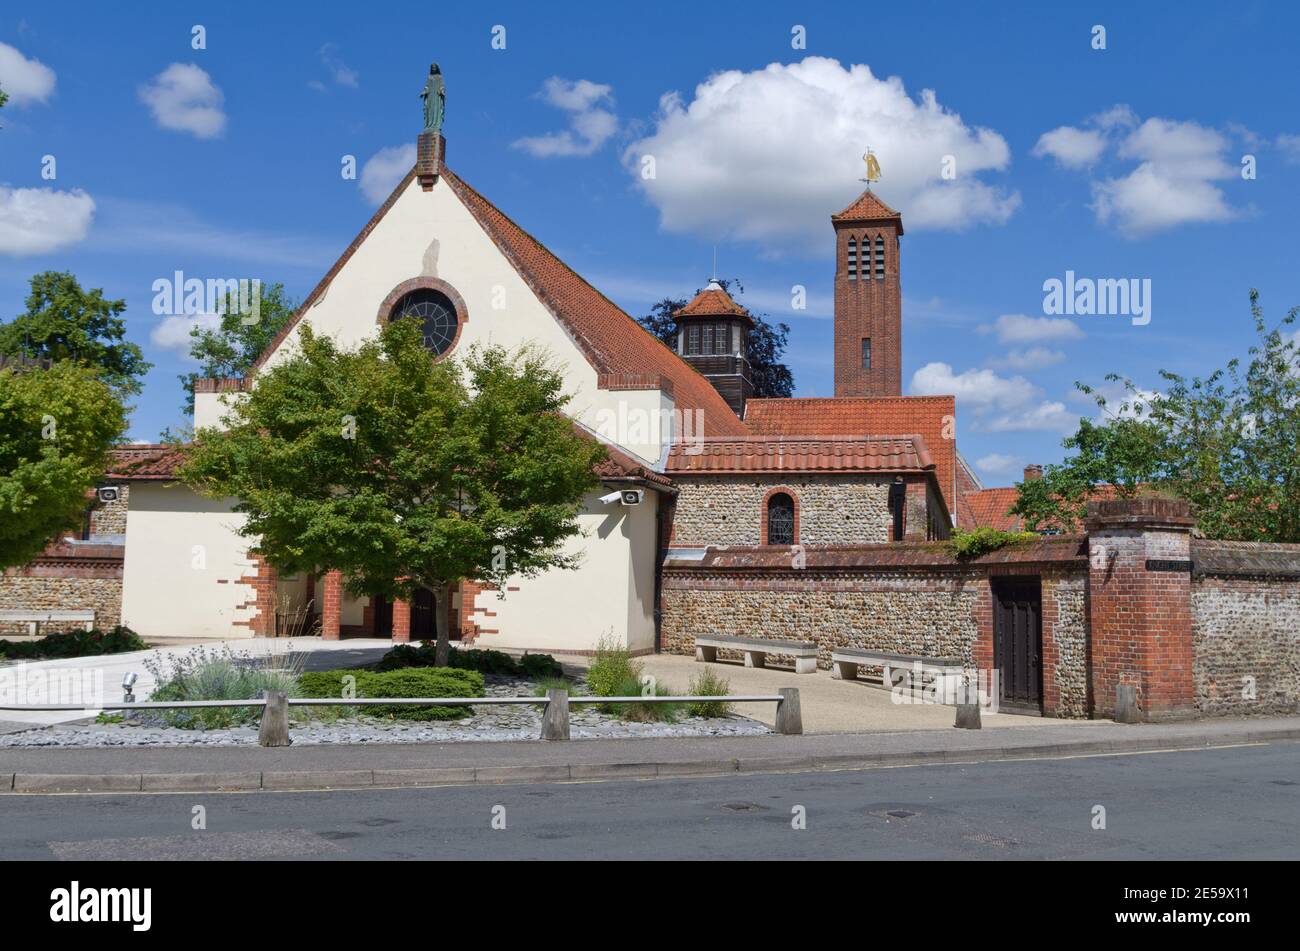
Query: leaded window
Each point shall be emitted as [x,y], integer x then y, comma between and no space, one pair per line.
[780,519]
[436,314]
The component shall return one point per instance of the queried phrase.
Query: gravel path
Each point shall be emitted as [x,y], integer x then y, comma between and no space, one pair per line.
[489,723]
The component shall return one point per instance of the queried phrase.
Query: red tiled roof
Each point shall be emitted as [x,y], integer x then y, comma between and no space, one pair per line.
[618,466]
[713,301]
[144,461]
[989,507]
[868,207]
[932,417]
[800,454]
[611,340]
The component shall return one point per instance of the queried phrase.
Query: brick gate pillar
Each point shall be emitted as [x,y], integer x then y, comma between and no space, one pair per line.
[401,622]
[331,605]
[1140,604]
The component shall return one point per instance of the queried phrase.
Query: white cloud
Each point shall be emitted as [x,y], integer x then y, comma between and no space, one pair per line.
[769,155]
[1071,147]
[1020,328]
[340,72]
[997,463]
[38,220]
[996,403]
[590,123]
[183,98]
[173,333]
[384,169]
[1031,358]
[1173,181]
[1289,146]
[25,80]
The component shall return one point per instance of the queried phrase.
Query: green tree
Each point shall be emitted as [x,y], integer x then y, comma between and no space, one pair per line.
[1227,443]
[233,346]
[767,343]
[56,427]
[401,472]
[65,322]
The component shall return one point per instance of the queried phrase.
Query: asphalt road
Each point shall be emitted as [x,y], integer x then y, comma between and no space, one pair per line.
[1241,802]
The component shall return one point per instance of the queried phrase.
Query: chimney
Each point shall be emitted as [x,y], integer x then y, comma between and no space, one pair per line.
[1033,472]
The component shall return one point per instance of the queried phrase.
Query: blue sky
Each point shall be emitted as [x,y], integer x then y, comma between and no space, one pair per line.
[1122,162]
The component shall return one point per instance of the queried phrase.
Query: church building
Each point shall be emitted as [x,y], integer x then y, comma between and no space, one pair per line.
[709,466]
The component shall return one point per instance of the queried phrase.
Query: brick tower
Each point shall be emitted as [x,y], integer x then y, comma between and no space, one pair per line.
[868,300]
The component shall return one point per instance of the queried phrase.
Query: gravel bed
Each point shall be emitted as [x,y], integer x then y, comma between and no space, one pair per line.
[488,724]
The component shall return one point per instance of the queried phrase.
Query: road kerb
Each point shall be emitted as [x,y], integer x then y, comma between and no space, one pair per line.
[200,782]
[318,779]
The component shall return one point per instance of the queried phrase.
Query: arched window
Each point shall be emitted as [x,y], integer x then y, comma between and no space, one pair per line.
[880,258]
[436,313]
[853,260]
[780,519]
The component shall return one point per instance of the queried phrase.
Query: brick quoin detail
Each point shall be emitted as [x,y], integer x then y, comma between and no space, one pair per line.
[1141,620]
[465,620]
[263,602]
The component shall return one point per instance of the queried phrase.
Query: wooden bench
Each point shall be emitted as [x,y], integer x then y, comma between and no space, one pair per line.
[756,650]
[34,619]
[944,672]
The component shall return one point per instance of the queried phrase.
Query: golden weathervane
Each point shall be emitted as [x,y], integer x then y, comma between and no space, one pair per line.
[873,167]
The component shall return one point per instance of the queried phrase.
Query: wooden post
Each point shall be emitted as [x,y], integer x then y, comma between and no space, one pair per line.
[275,720]
[968,716]
[555,719]
[789,719]
[1126,704]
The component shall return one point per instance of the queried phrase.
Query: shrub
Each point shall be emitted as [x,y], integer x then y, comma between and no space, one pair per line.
[707,683]
[612,669]
[223,675]
[484,661]
[409,682]
[404,656]
[540,666]
[118,640]
[982,540]
[643,712]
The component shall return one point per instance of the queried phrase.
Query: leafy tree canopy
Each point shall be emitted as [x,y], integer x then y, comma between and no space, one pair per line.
[401,472]
[63,322]
[767,343]
[1227,443]
[56,427]
[233,346]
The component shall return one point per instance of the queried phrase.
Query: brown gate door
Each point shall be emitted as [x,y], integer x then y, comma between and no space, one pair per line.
[1018,640]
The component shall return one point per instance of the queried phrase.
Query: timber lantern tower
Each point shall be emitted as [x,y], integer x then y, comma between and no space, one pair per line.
[868,299]
[713,337]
